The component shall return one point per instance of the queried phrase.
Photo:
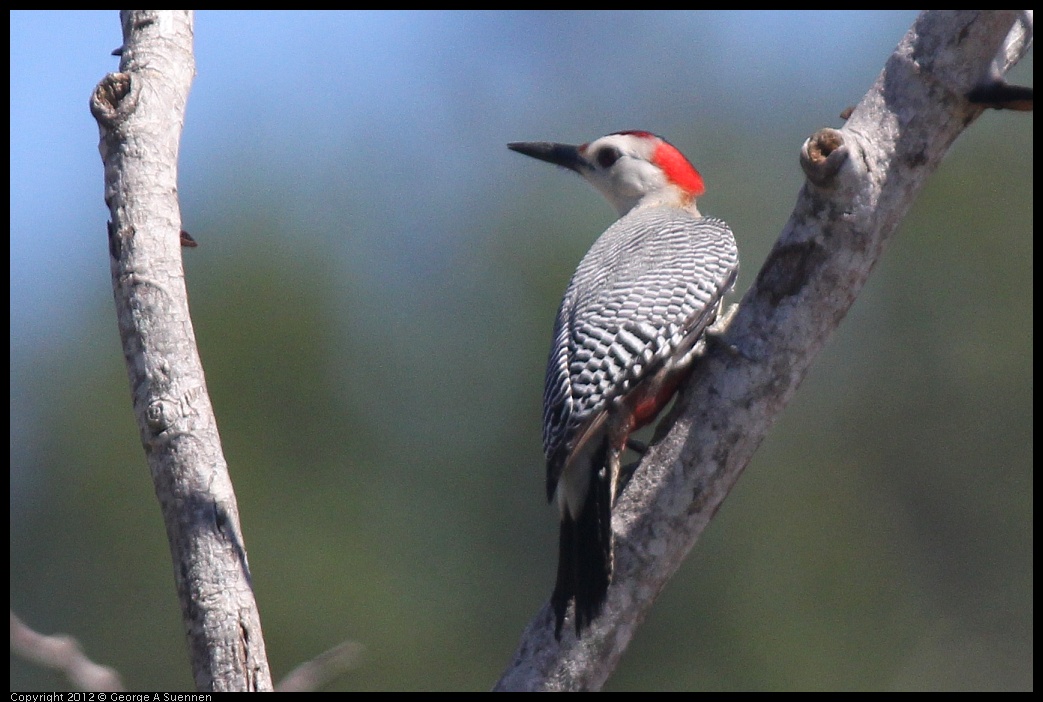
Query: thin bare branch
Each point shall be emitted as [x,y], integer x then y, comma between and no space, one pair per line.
[313,674]
[140,112]
[63,653]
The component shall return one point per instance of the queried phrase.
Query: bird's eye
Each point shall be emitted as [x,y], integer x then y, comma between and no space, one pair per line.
[607,156]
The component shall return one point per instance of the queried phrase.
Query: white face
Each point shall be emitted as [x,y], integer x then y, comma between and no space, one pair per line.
[622,169]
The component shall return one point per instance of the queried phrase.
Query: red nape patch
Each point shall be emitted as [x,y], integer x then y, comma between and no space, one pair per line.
[678,170]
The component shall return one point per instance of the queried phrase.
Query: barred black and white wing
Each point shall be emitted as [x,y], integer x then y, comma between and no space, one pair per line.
[642,297]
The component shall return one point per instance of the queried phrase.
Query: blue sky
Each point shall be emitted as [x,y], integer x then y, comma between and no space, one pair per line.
[301,92]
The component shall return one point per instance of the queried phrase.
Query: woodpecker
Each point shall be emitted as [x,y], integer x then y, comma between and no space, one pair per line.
[633,317]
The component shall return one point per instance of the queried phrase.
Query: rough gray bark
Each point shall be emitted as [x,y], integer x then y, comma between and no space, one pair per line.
[862,180]
[140,112]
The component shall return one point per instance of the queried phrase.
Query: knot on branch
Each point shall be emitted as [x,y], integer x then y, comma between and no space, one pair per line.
[112,100]
[822,155]
[160,416]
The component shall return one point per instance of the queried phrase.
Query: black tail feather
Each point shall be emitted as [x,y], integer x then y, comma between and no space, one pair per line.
[585,551]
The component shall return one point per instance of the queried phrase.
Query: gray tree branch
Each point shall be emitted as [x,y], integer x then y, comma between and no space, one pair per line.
[862,180]
[140,112]
[328,665]
[63,653]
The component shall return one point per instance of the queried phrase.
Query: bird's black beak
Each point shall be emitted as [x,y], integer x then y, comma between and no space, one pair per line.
[564,155]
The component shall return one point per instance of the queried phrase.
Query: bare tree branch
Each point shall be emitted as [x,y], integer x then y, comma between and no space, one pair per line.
[313,674]
[862,180]
[140,112]
[62,653]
